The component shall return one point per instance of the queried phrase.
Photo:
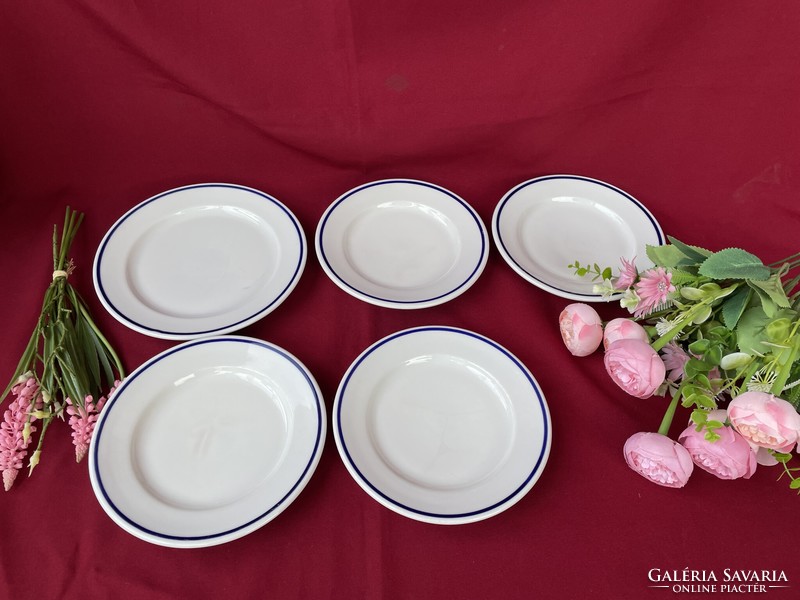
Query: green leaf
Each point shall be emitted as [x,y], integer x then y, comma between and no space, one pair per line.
[703,380]
[665,256]
[693,253]
[681,277]
[25,362]
[713,356]
[778,330]
[750,332]
[703,313]
[734,263]
[695,367]
[734,306]
[702,401]
[699,417]
[773,288]
[699,346]
[792,395]
[716,331]
[87,348]
[108,370]
[769,306]
[795,484]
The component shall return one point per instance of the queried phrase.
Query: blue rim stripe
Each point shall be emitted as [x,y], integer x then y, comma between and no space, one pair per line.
[278,298]
[466,206]
[509,195]
[546,424]
[115,398]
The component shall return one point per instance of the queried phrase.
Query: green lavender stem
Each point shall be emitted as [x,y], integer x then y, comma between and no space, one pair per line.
[666,422]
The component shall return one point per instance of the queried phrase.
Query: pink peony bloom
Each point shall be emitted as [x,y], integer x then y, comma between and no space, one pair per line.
[764,457]
[627,274]
[729,457]
[765,420]
[659,459]
[653,288]
[581,329]
[635,367]
[83,419]
[623,329]
[13,443]
[675,359]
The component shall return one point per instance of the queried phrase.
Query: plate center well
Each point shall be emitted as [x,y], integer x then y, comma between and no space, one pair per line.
[402,245]
[441,422]
[211,438]
[202,262]
[557,232]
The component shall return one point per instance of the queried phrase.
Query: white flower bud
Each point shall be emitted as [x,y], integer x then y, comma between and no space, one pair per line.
[691,293]
[702,315]
[34,460]
[735,360]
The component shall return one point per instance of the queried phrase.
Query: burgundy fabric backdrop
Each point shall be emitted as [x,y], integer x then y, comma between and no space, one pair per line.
[690,107]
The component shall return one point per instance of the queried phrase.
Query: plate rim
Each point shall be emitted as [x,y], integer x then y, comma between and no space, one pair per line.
[530,277]
[129,524]
[152,331]
[402,304]
[426,516]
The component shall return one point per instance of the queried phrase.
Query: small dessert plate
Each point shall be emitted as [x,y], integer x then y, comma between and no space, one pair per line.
[401,243]
[543,225]
[207,442]
[199,260]
[442,425]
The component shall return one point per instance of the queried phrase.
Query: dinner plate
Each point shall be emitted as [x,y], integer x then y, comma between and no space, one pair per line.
[442,425]
[207,442]
[402,243]
[543,225]
[199,260]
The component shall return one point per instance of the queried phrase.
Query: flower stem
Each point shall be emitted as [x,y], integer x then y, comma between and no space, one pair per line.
[666,422]
[793,259]
[690,315]
[786,369]
[88,319]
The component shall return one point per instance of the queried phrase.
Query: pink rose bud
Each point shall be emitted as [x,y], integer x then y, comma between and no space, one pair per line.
[659,459]
[635,367]
[623,329]
[581,329]
[729,457]
[765,420]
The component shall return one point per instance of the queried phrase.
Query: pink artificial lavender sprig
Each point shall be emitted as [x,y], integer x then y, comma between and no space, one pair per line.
[14,435]
[82,419]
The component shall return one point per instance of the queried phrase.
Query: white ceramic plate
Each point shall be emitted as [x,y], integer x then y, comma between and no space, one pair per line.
[545,224]
[207,442]
[442,425]
[199,260]
[402,243]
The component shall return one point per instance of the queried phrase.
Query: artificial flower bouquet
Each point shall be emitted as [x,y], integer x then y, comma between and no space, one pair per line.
[63,372]
[718,332]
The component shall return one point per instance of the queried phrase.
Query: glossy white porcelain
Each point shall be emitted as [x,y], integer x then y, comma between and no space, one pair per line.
[207,442]
[199,260]
[442,425]
[543,225]
[402,243]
